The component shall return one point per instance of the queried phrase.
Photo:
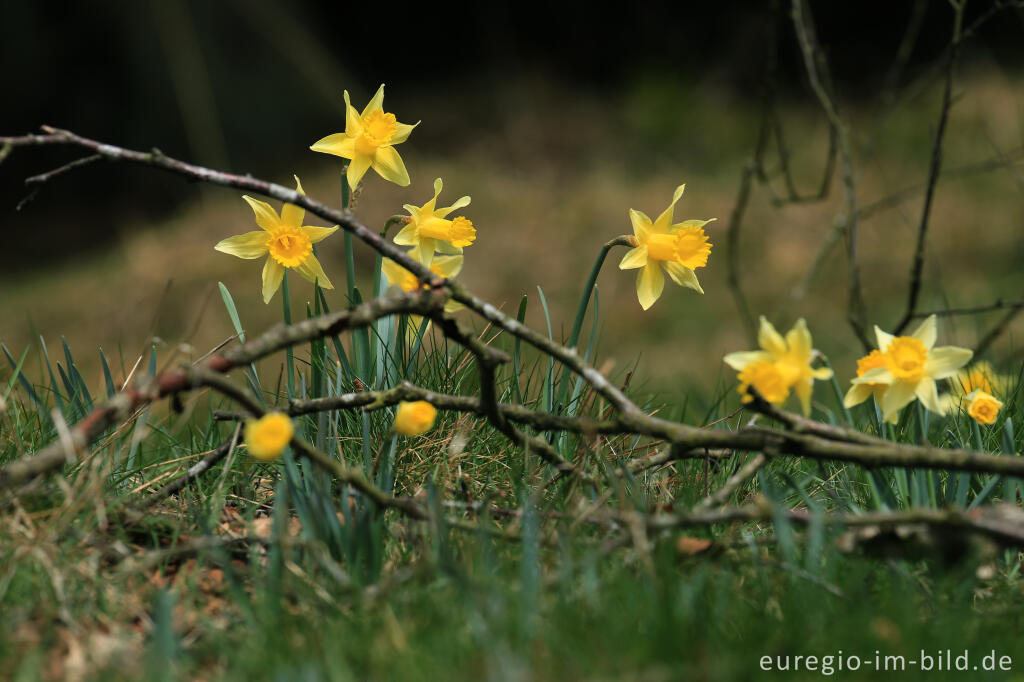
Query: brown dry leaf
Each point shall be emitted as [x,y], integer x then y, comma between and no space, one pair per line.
[690,546]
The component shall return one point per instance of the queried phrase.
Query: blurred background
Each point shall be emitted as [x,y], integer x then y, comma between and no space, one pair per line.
[557,119]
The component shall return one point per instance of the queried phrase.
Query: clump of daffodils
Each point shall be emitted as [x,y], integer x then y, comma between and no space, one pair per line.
[369,142]
[904,368]
[285,241]
[976,388]
[659,245]
[267,437]
[783,365]
[414,418]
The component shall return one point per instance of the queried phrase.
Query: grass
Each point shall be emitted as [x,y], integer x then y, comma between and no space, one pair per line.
[298,580]
[273,571]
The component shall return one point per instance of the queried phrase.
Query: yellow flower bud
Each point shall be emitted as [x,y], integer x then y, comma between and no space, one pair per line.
[412,419]
[266,437]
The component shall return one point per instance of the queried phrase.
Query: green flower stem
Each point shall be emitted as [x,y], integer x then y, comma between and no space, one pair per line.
[581,310]
[289,353]
[588,288]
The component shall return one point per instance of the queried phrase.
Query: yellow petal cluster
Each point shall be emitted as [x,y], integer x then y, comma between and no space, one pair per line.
[982,407]
[782,365]
[910,366]
[430,230]
[414,418]
[678,249]
[266,437]
[369,142]
[285,241]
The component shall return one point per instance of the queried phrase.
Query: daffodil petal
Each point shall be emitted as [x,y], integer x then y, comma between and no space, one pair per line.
[664,220]
[389,165]
[318,234]
[461,203]
[926,333]
[683,276]
[291,214]
[394,272]
[649,285]
[403,132]
[249,245]
[338,144]
[634,258]
[822,373]
[693,223]
[945,361]
[266,216]
[353,123]
[883,338]
[878,375]
[273,273]
[799,341]
[741,359]
[641,224]
[447,266]
[376,102]
[804,390]
[444,247]
[314,272]
[927,393]
[769,339]
[857,394]
[896,397]
[357,169]
[424,251]
[407,236]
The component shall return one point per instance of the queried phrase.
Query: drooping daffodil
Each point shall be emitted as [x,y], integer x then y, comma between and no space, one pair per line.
[369,142]
[414,418]
[429,229]
[911,367]
[782,364]
[285,241]
[679,248]
[442,266]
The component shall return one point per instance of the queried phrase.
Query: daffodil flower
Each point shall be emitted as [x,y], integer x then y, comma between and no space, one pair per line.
[414,418]
[285,241]
[368,142]
[781,364]
[442,266]
[266,437]
[983,407]
[979,377]
[912,365]
[429,229]
[679,249]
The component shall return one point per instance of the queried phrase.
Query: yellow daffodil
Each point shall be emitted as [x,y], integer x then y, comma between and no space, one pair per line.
[266,437]
[679,249]
[285,241]
[983,407]
[414,418]
[368,142]
[782,364]
[912,365]
[429,229]
[443,266]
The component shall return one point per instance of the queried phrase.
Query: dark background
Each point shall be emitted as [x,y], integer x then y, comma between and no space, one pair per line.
[179,74]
